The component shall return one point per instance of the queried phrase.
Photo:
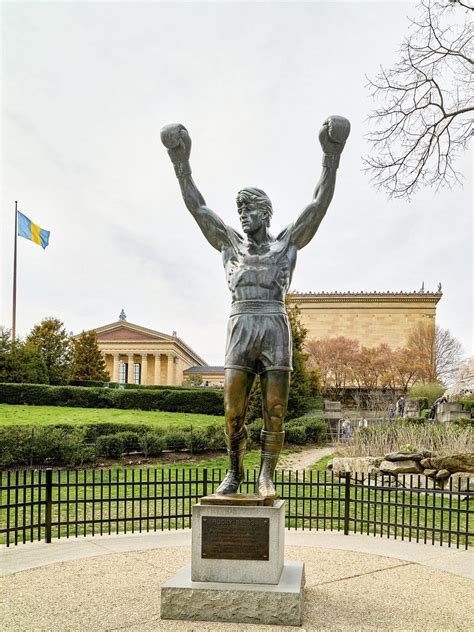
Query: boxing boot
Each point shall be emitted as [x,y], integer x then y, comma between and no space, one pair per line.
[235,475]
[272,443]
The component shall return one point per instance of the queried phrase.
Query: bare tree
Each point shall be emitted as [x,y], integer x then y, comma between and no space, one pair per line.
[425,119]
[436,351]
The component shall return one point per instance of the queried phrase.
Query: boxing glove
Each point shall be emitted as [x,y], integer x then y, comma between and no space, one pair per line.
[176,139]
[333,136]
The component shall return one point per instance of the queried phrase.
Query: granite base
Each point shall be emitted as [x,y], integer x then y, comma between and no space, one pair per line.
[269,604]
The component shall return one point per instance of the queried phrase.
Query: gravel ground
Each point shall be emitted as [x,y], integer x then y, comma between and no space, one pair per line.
[345,591]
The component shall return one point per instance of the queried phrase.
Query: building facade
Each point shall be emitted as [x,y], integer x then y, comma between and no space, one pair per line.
[372,318]
[137,355]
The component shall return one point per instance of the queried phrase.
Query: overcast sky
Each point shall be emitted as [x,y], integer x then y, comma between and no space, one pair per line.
[86,88]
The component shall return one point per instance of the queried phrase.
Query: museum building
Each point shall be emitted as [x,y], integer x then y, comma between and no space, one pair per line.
[138,355]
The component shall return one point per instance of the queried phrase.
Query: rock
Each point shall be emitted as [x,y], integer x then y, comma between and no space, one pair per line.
[400,467]
[404,456]
[360,465]
[454,463]
[442,474]
[430,473]
[462,482]
[426,463]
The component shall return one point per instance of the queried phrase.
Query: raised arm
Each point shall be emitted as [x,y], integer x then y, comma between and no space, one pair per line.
[176,139]
[332,136]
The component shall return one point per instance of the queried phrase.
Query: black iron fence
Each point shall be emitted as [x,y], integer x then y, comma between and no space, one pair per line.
[46,504]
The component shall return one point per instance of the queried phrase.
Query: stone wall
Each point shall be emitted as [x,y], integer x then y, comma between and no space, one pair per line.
[370,318]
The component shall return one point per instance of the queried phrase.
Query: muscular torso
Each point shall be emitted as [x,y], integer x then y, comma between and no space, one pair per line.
[259,272]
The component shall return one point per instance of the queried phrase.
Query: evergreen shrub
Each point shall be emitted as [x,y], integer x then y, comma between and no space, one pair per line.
[197,441]
[110,446]
[215,436]
[254,429]
[295,433]
[130,441]
[152,443]
[175,439]
[425,413]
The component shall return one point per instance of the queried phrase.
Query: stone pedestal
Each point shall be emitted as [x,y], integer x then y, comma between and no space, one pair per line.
[238,544]
[268,604]
[237,570]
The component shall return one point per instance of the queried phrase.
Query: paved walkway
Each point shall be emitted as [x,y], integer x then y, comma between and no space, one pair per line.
[353,582]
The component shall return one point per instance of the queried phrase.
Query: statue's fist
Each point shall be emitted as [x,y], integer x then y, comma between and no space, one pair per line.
[177,141]
[333,134]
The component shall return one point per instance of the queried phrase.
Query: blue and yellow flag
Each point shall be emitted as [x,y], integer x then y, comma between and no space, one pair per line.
[28,230]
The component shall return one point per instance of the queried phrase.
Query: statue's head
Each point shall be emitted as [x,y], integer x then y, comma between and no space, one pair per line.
[252,201]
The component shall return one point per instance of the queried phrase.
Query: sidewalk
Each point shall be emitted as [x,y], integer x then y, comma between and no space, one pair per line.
[355,582]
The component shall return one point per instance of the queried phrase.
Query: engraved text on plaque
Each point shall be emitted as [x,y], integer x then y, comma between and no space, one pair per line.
[235,538]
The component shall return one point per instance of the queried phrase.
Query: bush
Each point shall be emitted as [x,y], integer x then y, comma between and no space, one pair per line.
[130,441]
[215,437]
[422,402]
[28,445]
[175,439]
[254,429]
[464,422]
[88,383]
[295,433]
[110,446]
[315,429]
[152,443]
[197,441]
[429,392]
[92,431]
[207,402]
[316,403]
[468,405]
[425,413]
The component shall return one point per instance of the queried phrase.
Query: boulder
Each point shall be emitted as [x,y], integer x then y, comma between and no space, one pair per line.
[454,463]
[426,463]
[462,482]
[430,473]
[404,456]
[442,474]
[400,467]
[360,465]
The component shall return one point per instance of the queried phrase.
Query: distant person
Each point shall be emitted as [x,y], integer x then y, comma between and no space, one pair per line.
[391,410]
[434,408]
[401,406]
[346,430]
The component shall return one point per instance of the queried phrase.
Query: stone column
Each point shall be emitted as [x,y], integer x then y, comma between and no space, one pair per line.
[170,375]
[179,371]
[157,378]
[115,370]
[144,370]
[130,376]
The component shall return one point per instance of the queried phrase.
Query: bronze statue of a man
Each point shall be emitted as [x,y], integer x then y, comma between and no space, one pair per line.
[258,268]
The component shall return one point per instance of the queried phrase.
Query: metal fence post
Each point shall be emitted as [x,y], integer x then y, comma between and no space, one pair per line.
[204,482]
[49,503]
[347,499]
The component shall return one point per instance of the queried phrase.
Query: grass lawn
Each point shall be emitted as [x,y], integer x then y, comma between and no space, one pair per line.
[45,415]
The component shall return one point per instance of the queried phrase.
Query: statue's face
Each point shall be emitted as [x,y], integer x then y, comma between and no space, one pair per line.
[251,217]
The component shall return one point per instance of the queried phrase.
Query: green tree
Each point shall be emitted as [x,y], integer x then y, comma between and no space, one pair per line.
[87,360]
[193,380]
[53,343]
[20,362]
[302,383]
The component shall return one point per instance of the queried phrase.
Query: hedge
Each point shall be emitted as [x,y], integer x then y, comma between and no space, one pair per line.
[66,445]
[117,385]
[207,402]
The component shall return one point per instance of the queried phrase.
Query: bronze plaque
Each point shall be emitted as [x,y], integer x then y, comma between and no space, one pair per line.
[235,538]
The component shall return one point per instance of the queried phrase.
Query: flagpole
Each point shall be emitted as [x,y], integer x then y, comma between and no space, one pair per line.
[14,275]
